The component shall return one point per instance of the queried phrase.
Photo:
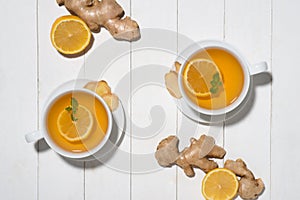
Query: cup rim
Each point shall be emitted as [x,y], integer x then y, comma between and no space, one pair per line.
[60,150]
[190,51]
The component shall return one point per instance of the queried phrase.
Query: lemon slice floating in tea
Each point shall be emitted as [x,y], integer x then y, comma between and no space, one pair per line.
[202,77]
[75,130]
[220,184]
[70,34]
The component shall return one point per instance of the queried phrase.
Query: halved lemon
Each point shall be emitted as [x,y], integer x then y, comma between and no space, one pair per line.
[70,34]
[198,75]
[220,184]
[75,130]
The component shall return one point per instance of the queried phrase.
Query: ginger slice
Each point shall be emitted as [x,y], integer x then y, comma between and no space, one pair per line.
[112,101]
[91,86]
[100,87]
[171,82]
[177,66]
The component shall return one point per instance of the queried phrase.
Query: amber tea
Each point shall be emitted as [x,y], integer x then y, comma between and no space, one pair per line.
[213,78]
[77,122]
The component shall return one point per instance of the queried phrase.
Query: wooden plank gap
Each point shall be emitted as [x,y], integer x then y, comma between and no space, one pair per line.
[84,184]
[224,19]
[130,116]
[38,96]
[130,112]
[177,111]
[271,96]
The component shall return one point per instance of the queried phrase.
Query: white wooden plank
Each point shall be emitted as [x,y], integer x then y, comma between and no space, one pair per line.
[114,173]
[105,175]
[153,118]
[198,20]
[18,93]
[150,15]
[58,178]
[248,28]
[201,20]
[153,110]
[285,119]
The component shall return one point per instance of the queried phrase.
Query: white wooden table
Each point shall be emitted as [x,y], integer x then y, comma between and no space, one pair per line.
[267,136]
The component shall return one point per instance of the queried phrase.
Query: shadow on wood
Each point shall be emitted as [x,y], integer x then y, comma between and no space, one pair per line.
[243,110]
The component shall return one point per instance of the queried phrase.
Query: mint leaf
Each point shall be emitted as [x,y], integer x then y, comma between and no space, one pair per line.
[216,77]
[216,83]
[213,82]
[72,109]
[74,104]
[69,108]
[74,119]
[214,90]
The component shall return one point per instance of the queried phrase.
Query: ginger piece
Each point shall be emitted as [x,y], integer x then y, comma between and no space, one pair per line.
[111,100]
[100,87]
[171,82]
[91,86]
[105,13]
[196,155]
[249,187]
[177,66]
[167,151]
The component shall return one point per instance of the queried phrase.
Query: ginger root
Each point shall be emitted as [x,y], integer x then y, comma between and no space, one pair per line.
[249,187]
[171,81]
[196,155]
[105,13]
[111,100]
[177,66]
[102,89]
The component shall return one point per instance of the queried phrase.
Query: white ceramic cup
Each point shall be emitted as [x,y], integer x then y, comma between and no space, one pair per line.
[248,70]
[43,132]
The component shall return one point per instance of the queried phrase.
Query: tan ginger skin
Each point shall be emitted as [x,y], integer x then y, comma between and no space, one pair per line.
[104,13]
[196,155]
[102,89]
[249,187]
[171,82]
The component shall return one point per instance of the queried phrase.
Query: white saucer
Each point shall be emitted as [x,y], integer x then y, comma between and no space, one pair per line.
[207,119]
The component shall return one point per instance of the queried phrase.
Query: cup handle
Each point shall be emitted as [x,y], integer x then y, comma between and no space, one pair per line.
[258,68]
[33,136]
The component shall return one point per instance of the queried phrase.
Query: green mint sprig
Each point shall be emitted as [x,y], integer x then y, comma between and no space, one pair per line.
[73,109]
[216,83]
